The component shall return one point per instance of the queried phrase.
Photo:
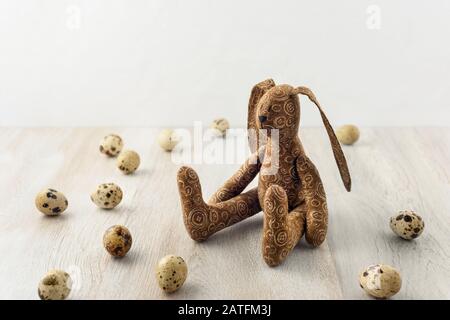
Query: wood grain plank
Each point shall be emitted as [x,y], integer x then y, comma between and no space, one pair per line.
[392,169]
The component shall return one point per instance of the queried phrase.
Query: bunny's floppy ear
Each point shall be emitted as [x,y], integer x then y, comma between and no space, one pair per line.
[337,151]
[257,92]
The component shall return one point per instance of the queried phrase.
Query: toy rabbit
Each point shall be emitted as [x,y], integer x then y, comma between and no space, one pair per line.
[291,196]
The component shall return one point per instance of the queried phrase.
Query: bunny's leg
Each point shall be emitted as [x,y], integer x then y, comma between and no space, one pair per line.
[315,201]
[282,229]
[202,219]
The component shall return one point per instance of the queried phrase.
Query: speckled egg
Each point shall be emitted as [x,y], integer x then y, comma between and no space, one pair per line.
[171,273]
[111,145]
[107,195]
[407,224]
[128,161]
[117,241]
[55,285]
[212,134]
[380,281]
[168,139]
[51,202]
[221,124]
[347,134]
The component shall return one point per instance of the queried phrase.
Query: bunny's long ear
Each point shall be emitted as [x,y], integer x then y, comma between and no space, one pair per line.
[337,151]
[257,92]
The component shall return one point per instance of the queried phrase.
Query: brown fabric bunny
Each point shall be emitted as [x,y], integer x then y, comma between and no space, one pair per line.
[291,195]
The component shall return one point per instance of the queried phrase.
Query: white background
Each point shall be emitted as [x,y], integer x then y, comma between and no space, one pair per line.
[168,63]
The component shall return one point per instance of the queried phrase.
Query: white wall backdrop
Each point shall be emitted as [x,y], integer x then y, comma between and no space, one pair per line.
[170,62]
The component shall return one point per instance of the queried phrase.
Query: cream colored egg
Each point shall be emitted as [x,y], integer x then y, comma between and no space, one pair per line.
[407,224]
[107,196]
[380,281]
[55,285]
[171,273]
[211,134]
[221,124]
[51,202]
[168,139]
[111,145]
[128,161]
[347,134]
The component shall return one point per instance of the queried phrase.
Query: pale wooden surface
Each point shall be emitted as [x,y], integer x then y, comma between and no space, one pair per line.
[392,169]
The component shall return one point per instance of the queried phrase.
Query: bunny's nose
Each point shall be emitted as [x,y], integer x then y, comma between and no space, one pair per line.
[262,118]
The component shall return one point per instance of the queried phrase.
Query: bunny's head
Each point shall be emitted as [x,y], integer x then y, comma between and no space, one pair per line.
[277,107]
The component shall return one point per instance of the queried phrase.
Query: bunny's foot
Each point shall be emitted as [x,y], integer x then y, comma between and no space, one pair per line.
[195,210]
[282,229]
[203,220]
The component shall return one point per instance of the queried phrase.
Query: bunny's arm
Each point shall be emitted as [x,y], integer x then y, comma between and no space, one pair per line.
[241,179]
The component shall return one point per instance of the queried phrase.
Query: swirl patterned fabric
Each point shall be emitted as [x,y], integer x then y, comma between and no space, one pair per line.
[290,191]
[201,219]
